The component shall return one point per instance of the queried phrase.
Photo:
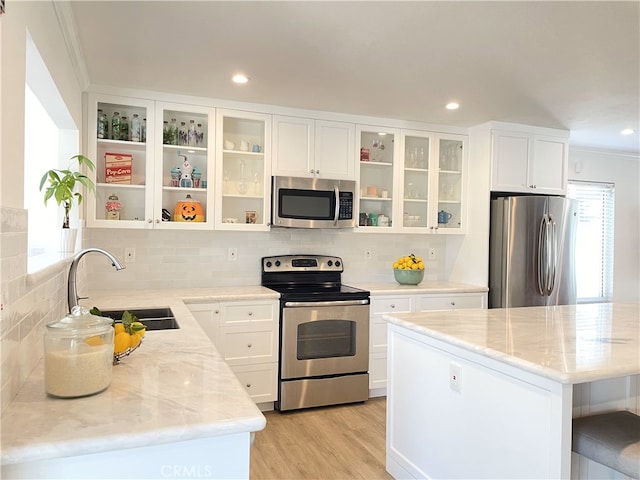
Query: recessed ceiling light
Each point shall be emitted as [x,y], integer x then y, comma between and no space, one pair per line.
[627,131]
[240,78]
[452,106]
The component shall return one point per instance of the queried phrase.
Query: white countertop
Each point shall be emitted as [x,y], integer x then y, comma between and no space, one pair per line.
[569,344]
[175,387]
[427,287]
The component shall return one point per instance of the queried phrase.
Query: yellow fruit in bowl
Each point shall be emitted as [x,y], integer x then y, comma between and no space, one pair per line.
[118,328]
[121,342]
[134,340]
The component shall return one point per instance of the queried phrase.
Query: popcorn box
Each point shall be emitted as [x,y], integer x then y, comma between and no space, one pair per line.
[118,167]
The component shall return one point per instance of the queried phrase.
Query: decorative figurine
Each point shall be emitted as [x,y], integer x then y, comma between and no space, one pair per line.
[113,207]
[185,170]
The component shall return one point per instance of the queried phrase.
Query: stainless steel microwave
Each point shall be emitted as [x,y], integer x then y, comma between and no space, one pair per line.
[312,202]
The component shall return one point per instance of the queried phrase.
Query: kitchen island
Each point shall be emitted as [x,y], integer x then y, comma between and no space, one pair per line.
[492,393]
[174,407]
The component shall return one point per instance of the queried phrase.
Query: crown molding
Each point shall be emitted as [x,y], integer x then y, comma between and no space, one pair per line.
[67,23]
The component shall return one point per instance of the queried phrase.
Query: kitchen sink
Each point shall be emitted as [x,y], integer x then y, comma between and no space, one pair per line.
[152,318]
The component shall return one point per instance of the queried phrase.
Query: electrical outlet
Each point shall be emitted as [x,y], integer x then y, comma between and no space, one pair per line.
[232,254]
[367,253]
[129,255]
[455,377]
[433,254]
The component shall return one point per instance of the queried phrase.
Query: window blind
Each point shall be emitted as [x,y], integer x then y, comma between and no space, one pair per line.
[594,240]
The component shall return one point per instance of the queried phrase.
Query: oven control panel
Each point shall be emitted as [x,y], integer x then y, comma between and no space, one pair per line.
[301,263]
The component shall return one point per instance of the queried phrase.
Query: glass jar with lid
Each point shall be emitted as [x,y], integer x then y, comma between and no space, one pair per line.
[78,354]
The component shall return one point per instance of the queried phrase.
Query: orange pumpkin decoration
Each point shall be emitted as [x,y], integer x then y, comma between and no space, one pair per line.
[188,210]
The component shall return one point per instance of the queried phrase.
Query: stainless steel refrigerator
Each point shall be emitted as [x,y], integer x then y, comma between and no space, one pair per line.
[532,251]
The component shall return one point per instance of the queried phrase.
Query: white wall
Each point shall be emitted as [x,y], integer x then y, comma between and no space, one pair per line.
[27,302]
[624,171]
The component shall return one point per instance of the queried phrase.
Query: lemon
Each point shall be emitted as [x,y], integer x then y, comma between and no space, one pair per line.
[118,328]
[94,341]
[134,340]
[121,342]
[137,328]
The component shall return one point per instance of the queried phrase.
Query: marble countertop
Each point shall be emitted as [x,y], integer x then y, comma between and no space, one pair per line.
[427,287]
[569,344]
[175,387]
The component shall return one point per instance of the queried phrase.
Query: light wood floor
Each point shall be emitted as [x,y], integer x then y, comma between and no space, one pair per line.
[340,442]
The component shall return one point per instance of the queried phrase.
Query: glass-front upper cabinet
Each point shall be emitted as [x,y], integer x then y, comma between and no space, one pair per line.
[416,183]
[376,173]
[183,197]
[433,182]
[451,163]
[242,170]
[120,143]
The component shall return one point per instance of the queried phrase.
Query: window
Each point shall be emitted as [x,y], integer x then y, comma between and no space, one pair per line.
[51,138]
[594,240]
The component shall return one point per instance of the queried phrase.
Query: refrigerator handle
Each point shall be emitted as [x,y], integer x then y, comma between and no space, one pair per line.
[542,257]
[554,256]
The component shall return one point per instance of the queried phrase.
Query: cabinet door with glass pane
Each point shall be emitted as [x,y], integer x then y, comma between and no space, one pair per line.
[449,184]
[416,193]
[242,170]
[120,143]
[379,151]
[183,196]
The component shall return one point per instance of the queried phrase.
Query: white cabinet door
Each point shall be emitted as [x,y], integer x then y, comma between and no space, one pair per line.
[510,164]
[207,315]
[334,148]
[548,170]
[293,146]
[528,163]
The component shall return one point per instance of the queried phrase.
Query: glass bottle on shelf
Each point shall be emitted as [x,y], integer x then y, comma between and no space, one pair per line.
[113,207]
[191,134]
[143,130]
[135,128]
[165,132]
[115,126]
[199,136]
[172,135]
[103,125]
[124,129]
[182,134]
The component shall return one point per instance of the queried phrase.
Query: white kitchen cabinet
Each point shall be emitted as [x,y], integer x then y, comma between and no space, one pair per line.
[305,147]
[376,172]
[246,335]
[146,189]
[525,162]
[433,184]
[242,170]
[390,304]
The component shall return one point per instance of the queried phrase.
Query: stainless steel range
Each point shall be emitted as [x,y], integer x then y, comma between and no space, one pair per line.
[324,332]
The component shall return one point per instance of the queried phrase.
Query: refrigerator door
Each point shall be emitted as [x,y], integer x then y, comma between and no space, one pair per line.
[516,252]
[563,216]
[531,259]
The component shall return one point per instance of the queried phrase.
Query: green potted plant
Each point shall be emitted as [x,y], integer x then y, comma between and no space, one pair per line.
[62,186]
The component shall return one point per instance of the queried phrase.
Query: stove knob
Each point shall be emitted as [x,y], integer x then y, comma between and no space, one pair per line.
[330,263]
[268,264]
[337,263]
[278,263]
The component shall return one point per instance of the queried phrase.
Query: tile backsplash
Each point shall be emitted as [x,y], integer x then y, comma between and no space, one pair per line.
[28,303]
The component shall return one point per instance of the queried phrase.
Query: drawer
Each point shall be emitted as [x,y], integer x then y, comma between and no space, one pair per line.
[260,381]
[242,346]
[247,312]
[390,304]
[449,302]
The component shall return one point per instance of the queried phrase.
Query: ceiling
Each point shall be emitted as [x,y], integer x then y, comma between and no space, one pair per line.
[571,65]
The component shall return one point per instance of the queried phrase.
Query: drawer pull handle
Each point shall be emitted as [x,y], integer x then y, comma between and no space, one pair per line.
[393,306]
[248,385]
[249,345]
[453,303]
[250,313]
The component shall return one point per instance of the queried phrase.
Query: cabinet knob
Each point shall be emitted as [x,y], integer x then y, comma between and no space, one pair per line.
[157,221]
[393,305]
[317,172]
[249,345]
[453,304]
[216,311]
[431,227]
[248,385]
[312,171]
[250,313]
[149,221]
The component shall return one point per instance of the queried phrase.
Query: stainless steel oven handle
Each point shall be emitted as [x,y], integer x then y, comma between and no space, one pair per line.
[336,214]
[334,303]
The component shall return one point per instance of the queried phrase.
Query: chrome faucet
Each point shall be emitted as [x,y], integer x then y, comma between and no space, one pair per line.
[72,288]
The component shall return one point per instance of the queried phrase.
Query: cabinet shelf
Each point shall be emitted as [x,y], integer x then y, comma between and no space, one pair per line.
[243,153]
[419,170]
[184,189]
[376,199]
[238,195]
[450,172]
[186,148]
[415,200]
[372,163]
[123,143]
[123,186]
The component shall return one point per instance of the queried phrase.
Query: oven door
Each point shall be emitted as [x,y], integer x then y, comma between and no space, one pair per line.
[324,338]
